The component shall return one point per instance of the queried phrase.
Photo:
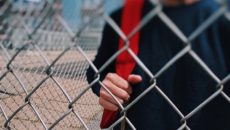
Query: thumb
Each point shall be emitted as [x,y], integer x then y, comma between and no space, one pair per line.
[134,79]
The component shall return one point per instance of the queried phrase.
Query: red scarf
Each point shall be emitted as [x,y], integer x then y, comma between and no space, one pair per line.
[131,17]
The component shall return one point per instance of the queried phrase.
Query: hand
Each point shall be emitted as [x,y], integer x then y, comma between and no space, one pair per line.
[119,87]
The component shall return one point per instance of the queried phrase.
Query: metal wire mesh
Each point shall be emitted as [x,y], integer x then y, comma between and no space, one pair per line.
[43,61]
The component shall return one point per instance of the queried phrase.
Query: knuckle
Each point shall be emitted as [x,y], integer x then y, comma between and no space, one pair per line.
[125,96]
[101,93]
[105,82]
[122,101]
[109,76]
[126,86]
[115,108]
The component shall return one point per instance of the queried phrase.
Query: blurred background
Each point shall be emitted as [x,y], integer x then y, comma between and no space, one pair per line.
[43,50]
[76,12]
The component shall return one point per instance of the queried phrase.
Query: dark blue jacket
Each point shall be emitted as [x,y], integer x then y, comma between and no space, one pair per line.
[185,82]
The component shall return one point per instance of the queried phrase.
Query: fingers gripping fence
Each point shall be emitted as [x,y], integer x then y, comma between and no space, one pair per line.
[42,78]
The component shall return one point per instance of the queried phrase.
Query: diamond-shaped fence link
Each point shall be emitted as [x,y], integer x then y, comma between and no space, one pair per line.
[43,62]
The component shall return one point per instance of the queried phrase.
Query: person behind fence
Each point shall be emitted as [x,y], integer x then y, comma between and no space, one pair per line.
[185,82]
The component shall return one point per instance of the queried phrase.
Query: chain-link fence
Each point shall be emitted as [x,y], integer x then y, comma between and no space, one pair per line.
[43,61]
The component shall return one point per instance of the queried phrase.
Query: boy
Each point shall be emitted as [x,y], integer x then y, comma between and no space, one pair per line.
[185,83]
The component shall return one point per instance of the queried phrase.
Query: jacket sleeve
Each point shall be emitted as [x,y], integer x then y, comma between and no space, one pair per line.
[108,47]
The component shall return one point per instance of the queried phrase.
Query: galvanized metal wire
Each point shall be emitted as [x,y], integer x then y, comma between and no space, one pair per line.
[43,61]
